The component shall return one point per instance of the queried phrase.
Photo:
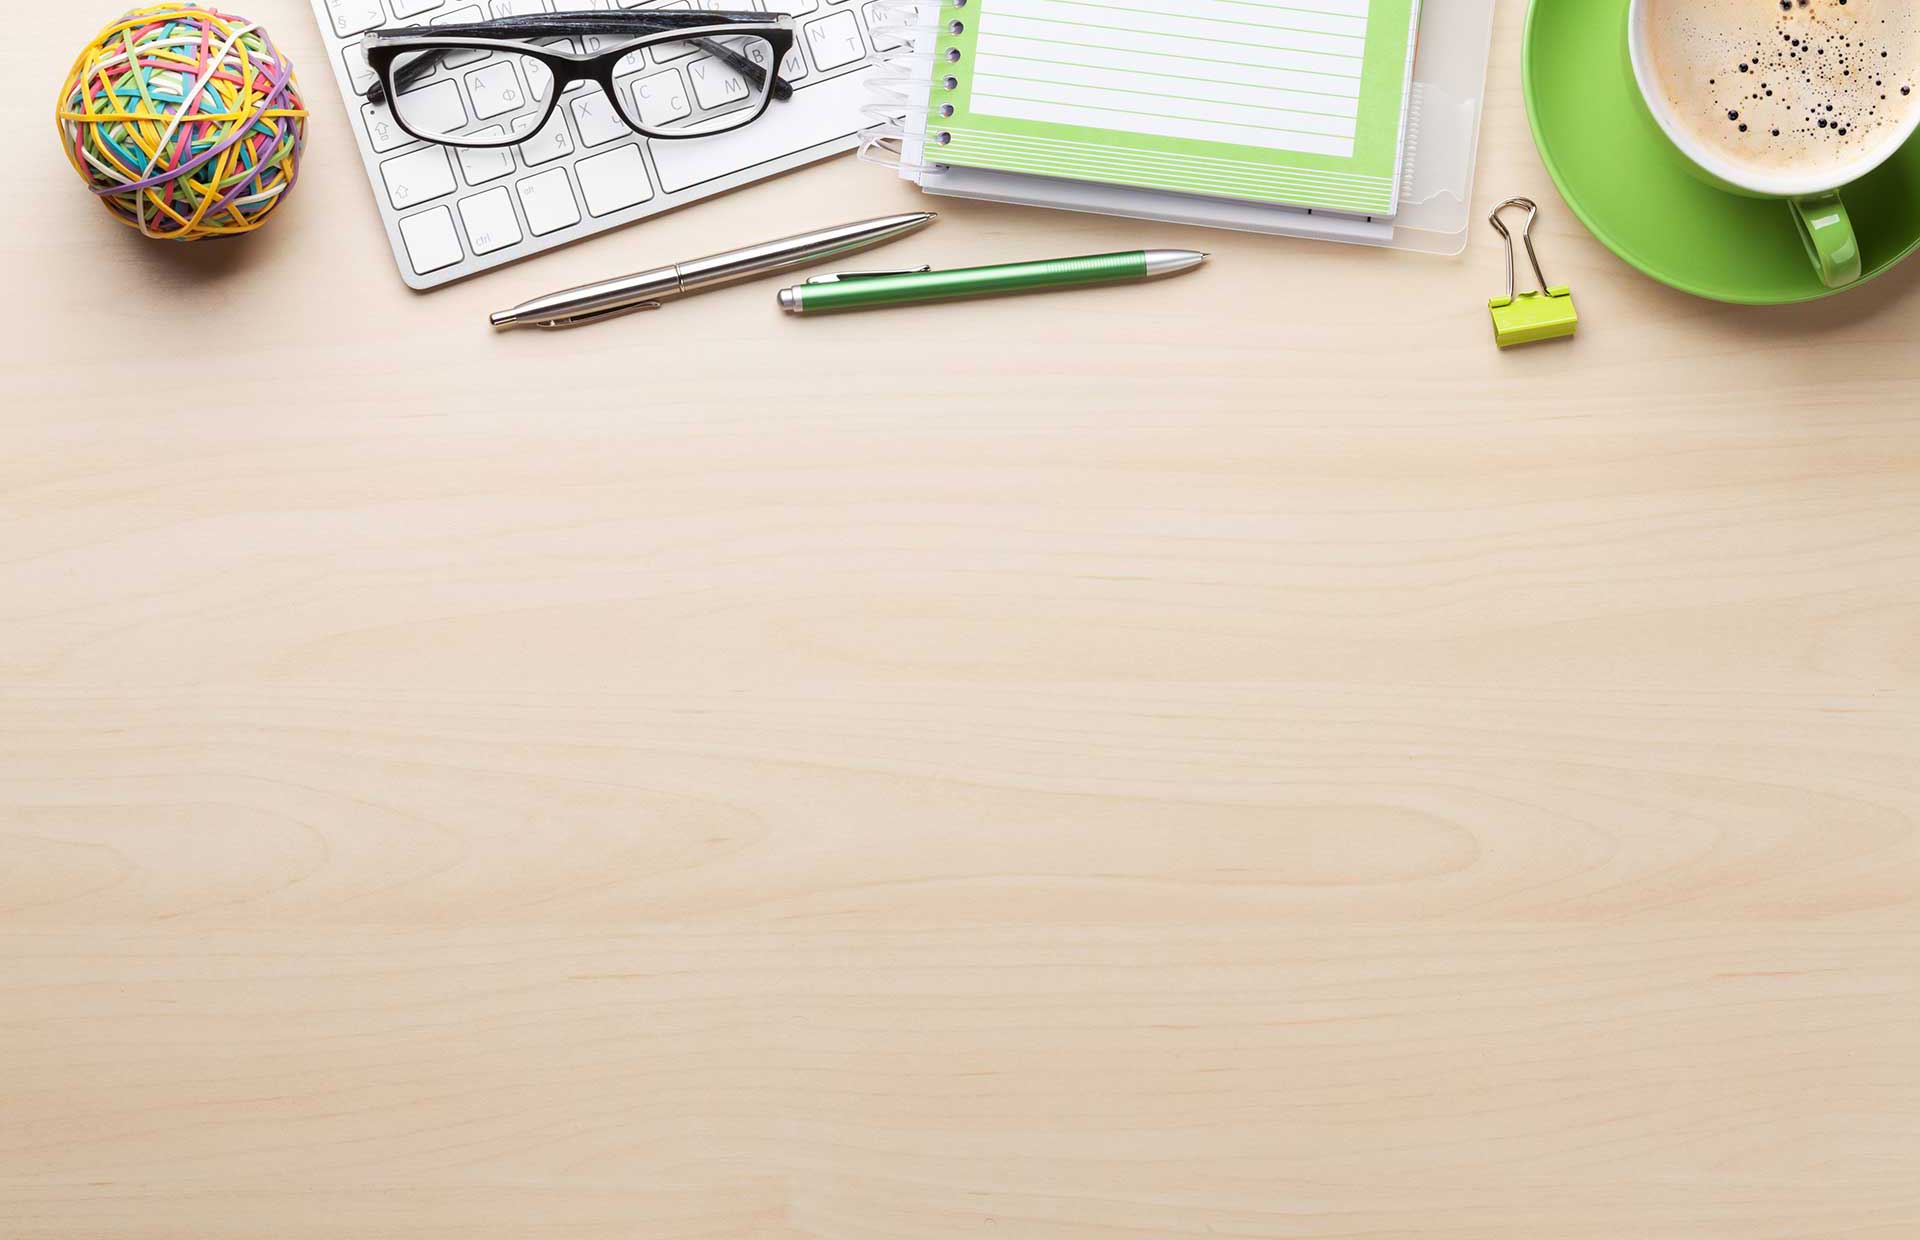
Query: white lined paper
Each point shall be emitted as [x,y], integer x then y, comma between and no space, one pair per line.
[1278,74]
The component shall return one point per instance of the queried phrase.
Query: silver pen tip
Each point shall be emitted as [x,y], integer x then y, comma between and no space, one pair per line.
[504,318]
[1173,262]
[790,300]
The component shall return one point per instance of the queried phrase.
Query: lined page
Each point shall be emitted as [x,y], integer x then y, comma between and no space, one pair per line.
[1293,102]
[1280,74]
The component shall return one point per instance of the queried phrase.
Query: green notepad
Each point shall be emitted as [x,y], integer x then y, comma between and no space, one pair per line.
[1294,102]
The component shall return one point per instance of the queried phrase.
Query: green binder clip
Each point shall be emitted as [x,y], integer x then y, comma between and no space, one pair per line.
[1526,318]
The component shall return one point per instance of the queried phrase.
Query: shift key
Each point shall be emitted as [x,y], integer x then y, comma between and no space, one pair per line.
[816,114]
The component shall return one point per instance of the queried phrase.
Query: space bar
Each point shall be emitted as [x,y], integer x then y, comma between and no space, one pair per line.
[814,115]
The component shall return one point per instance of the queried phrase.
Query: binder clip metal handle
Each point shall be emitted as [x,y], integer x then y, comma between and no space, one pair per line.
[1526,318]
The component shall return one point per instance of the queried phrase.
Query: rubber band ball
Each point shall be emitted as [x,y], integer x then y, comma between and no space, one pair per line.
[186,122]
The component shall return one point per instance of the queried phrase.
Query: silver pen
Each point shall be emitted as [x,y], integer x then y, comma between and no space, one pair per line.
[648,290]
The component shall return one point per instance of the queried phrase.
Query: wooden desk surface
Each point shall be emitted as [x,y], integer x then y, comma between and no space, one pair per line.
[1240,758]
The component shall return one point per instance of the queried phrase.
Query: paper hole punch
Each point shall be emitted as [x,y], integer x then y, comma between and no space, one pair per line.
[1527,318]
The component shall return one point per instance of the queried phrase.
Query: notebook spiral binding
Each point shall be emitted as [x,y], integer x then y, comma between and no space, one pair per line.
[897,109]
[1416,100]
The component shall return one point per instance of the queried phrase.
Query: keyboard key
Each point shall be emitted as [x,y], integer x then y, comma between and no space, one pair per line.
[420,177]
[761,54]
[430,240]
[494,90]
[834,40]
[491,223]
[794,68]
[593,44]
[539,79]
[598,123]
[385,134]
[483,164]
[885,34]
[715,85]
[551,143]
[548,201]
[660,99]
[823,112]
[614,181]
[358,69]
[351,17]
[414,8]
[434,110]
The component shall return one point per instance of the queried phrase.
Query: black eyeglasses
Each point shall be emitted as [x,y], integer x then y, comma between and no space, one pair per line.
[496,83]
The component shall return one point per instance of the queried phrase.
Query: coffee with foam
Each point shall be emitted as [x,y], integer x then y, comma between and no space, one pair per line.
[1788,86]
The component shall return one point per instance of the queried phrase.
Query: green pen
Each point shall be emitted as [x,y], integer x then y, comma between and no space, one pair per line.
[872,290]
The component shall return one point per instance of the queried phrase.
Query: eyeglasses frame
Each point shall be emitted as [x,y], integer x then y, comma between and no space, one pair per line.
[383,48]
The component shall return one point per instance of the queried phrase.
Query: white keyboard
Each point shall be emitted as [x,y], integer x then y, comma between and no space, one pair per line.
[454,213]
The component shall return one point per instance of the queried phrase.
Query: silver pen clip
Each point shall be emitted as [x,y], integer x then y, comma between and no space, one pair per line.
[595,316]
[870,275]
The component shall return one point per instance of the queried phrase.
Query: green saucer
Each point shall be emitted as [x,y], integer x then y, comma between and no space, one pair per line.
[1634,193]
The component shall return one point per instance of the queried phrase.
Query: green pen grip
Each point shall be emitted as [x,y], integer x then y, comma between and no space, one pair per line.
[868,292]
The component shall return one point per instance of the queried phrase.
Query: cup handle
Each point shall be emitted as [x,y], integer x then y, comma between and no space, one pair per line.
[1827,231]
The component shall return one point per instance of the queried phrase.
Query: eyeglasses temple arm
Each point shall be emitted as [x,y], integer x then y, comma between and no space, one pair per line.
[747,69]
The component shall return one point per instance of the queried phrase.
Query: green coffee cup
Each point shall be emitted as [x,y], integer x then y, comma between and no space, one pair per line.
[1811,194]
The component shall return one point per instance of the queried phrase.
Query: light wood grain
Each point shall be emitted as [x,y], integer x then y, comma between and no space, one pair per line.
[1239,758]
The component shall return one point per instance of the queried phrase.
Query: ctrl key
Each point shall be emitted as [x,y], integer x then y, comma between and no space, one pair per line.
[432,241]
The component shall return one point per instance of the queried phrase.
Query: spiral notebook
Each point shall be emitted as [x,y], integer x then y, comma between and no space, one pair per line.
[1301,102]
[1345,120]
